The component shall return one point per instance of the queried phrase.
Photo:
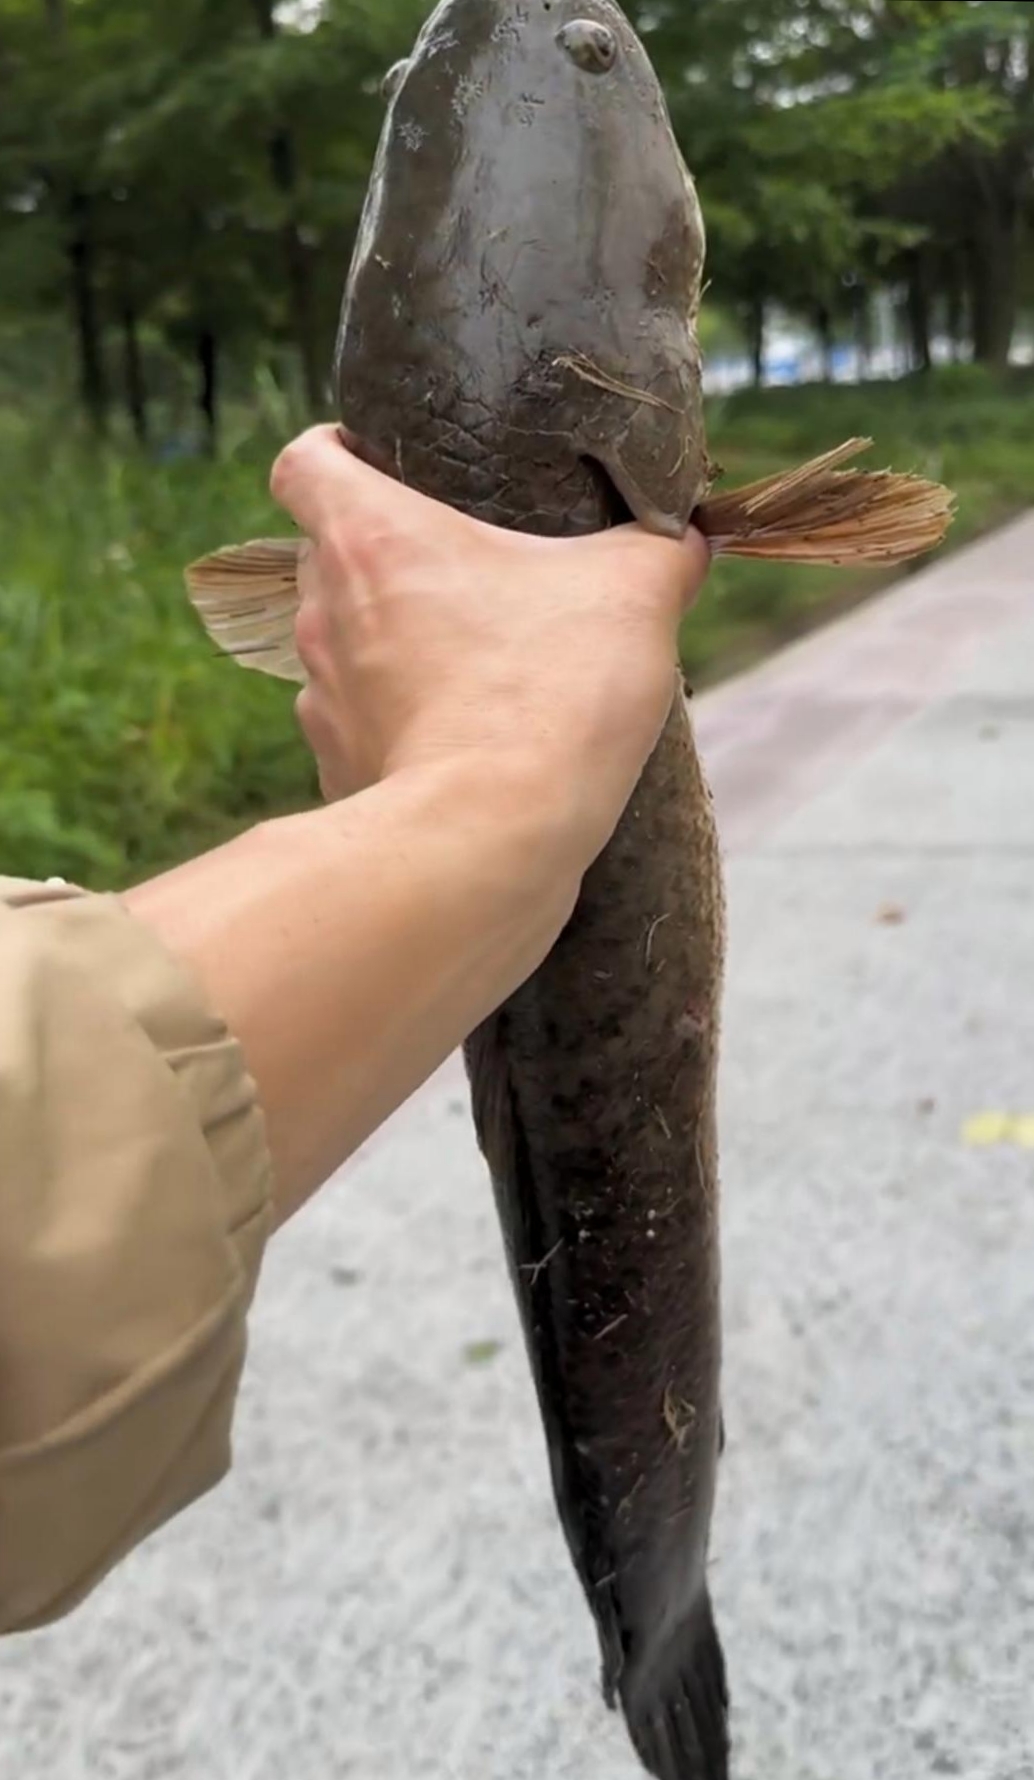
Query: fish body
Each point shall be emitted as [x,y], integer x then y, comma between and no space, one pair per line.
[517,335]
[594,1097]
[517,339]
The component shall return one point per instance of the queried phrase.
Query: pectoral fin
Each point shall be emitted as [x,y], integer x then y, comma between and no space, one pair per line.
[247,599]
[247,595]
[821,513]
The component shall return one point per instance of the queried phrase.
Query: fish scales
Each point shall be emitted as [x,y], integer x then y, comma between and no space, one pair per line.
[518,340]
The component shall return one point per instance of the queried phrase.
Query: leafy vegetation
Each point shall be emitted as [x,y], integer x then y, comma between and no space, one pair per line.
[179,185]
[179,189]
[964,426]
[844,146]
[124,744]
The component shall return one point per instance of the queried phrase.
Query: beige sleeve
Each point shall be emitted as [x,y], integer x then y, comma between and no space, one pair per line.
[135,1195]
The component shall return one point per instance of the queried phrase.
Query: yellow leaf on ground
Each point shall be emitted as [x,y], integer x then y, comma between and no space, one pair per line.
[986,1128]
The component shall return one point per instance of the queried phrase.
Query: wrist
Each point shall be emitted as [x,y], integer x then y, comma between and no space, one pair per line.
[538,795]
[525,799]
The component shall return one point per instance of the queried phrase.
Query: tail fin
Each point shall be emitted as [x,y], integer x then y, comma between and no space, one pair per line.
[247,595]
[678,1718]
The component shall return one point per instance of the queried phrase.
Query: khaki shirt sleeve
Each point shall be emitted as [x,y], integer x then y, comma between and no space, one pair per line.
[135,1196]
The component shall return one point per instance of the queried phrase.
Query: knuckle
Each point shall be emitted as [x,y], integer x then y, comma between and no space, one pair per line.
[327,744]
[337,548]
[312,635]
[317,639]
[305,710]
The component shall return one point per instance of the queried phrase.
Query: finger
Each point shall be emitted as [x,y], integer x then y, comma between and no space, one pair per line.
[315,477]
[697,562]
[312,637]
[687,564]
[319,479]
[677,569]
[334,785]
[322,732]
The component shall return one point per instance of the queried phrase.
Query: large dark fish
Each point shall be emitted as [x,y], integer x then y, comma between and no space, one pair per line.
[518,340]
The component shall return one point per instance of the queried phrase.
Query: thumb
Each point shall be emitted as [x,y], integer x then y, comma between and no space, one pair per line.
[696,566]
[675,569]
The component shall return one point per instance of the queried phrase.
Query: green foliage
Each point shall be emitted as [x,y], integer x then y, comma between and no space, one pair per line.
[966,426]
[186,180]
[832,139]
[125,744]
[123,740]
[195,170]
[179,189]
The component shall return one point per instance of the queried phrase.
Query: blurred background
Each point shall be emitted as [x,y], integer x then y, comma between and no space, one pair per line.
[179,186]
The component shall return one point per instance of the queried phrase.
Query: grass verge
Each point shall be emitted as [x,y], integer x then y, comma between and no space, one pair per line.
[124,745]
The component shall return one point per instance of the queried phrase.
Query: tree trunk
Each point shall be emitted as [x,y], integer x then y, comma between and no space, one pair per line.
[81,255]
[297,263]
[208,387]
[993,278]
[863,329]
[299,270]
[824,329]
[756,318]
[93,383]
[994,304]
[133,371]
[917,309]
[955,301]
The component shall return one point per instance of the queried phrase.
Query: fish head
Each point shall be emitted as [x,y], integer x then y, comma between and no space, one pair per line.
[532,250]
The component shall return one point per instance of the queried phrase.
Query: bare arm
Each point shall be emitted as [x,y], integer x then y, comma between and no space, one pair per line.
[483,704]
[480,707]
[353,949]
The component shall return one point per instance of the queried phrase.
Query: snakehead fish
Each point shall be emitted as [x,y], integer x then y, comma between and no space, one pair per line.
[518,339]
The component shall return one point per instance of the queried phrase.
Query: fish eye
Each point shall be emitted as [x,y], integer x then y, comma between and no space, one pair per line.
[591,45]
[394,78]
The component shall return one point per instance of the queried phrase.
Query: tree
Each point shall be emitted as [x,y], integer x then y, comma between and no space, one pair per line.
[186,180]
[983,55]
[798,118]
[188,170]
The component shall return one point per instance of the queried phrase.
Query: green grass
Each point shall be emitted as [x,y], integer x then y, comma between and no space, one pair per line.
[125,744]
[963,427]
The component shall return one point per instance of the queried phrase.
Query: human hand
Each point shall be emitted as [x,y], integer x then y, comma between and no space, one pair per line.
[427,635]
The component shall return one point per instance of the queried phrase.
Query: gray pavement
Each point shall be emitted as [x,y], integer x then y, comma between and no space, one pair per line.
[380,1589]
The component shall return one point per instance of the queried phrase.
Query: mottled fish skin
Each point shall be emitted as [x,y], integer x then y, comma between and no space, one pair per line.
[526,277]
[518,340]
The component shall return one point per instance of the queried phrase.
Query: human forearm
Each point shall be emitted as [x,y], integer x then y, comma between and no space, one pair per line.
[499,694]
[352,949]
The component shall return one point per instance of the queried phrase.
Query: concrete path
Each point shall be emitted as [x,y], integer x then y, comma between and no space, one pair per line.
[380,1591]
